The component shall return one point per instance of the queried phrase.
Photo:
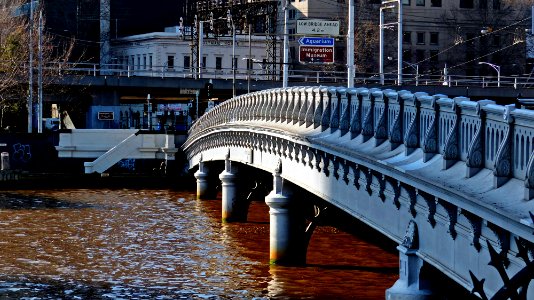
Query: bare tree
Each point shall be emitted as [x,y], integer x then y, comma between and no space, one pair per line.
[15,50]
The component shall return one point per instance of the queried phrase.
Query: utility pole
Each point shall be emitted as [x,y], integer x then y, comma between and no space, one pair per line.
[350,46]
[249,62]
[285,68]
[231,26]
[399,45]
[30,75]
[40,77]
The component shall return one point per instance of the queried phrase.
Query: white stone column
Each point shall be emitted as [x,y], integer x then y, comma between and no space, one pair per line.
[229,192]
[202,180]
[283,242]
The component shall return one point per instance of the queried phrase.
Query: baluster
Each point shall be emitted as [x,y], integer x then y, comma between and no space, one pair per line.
[396,106]
[381,126]
[327,112]
[430,140]
[320,95]
[476,152]
[346,104]
[411,115]
[311,104]
[502,169]
[356,112]
[304,103]
[285,104]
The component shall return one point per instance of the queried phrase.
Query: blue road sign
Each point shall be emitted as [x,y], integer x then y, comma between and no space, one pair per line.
[316,41]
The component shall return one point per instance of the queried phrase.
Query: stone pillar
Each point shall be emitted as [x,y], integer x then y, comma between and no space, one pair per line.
[202,180]
[284,245]
[409,285]
[229,192]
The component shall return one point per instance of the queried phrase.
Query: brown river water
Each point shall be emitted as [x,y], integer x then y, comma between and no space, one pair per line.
[164,244]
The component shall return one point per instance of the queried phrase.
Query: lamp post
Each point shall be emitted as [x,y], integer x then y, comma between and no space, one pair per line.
[231,26]
[285,66]
[496,68]
[390,4]
[350,46]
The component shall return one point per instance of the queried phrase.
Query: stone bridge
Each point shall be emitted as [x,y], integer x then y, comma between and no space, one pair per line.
[449,180]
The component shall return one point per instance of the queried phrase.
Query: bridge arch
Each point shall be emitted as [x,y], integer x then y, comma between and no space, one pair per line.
[460,170]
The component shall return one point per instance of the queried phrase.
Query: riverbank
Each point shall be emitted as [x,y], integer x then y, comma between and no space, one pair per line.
[36,180]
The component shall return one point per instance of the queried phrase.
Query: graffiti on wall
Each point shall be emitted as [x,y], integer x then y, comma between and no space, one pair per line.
[22,152]
[127,164]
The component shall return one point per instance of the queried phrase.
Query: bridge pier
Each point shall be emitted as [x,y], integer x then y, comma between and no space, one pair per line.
[410,285]
[202,181]
[284,242]
[229,193]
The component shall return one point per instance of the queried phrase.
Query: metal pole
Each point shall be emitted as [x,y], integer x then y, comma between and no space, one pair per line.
[285,67]
[30,75]
[381,48]
[233,60]
[399,45]
[197,94]
[416,75]
[249,67]
[200,42]
[40,77]
[350,46]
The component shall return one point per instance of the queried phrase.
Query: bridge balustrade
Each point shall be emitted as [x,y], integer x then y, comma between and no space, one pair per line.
[478,133]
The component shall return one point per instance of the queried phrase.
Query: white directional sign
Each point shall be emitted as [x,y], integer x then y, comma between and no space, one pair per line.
[316,41]
[319,27]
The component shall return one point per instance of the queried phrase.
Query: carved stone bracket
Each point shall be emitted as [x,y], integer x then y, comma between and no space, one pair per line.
[395,137]
[356,170]
[368,121]
[475,152]
[346,172]
[336,99]
[476,228]
[317,116]
[397,191]
[356,120]
[412,197]
[368,181]
[502,169]
[382,180]
[344,124]
[431,205]
[325,118]
[381,130]
[452,214]
[451,151]
[335,167]
[411,137]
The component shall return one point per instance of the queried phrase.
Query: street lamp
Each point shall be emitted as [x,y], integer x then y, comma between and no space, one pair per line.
[496,68]
[390,4]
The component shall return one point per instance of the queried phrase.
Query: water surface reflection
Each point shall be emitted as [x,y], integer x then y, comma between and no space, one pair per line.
[147,244]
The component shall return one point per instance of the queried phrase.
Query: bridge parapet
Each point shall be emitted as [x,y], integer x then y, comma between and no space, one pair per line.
[456,166]
[479,133]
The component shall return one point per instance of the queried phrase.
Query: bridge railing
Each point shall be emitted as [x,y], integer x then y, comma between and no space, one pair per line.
[479,134]
[263,74]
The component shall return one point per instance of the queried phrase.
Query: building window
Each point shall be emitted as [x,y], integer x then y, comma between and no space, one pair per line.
[434,38]
[218,63]
[496,40]
[434,56]
[407,55]
[420,2]
[419,55]
[466,4]
[132,62]
[138,62]
[170,62]
[144,61]
[420,38]
[150,61]
[264,63]
[235,63]
[435,3]
[250,64]
[187,62]
[204,58]
[496,4]
[483,4]
[406,2]
[292,14]
[407,37]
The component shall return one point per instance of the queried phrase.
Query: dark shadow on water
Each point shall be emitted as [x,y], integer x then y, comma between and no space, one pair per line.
[381,270]
[16,201]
